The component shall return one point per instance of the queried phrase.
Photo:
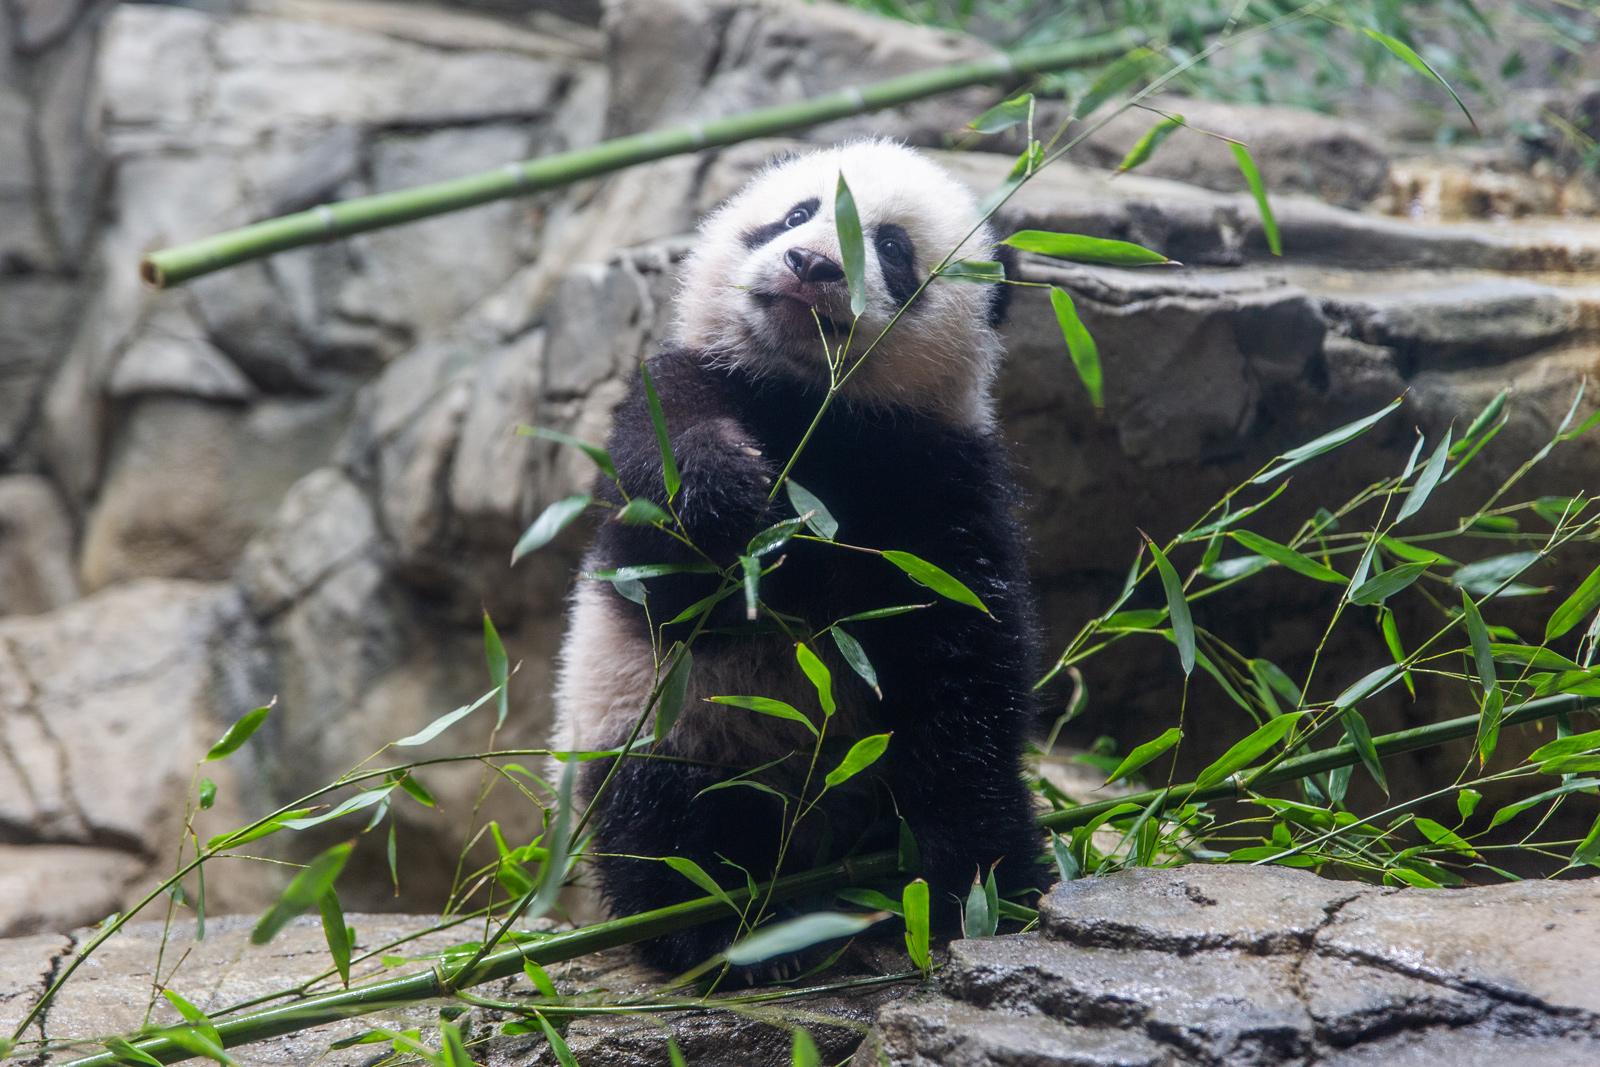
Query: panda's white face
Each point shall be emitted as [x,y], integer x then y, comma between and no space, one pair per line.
[765,284]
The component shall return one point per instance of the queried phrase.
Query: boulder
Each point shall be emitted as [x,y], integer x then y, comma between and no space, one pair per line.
[36,572]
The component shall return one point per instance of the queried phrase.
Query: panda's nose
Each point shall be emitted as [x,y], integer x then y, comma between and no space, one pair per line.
[811,266]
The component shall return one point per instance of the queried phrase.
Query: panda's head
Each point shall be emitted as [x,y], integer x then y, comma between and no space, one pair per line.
[767,271]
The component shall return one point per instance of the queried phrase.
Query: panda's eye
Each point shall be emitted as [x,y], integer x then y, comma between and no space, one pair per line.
[798,217]
[891,248]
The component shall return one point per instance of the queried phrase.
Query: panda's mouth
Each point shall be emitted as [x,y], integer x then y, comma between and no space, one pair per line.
[796,313]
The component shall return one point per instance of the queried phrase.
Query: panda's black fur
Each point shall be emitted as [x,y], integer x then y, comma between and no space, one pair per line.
[956,683]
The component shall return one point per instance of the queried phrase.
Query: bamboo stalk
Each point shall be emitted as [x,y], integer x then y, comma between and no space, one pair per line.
[327,222]
[361,1000]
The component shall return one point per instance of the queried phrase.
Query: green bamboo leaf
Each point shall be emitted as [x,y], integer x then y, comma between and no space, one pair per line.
[821,678]
[1467,802]
[750,567]
[207,794]
[1258,190]
[804,1051]
[1004,115]
[1571,785]
[1570,745]
[983,271]
[782,938]
[1146,146]
[675,1054]
[1370,683]
[977,918]
[1487,575]
[641,512]
[1427,481]
[1391,638]
[1298,562]
[336,933]
[1031,159]
[1080,248]
[1571,765]
[1248,750]
[494,652]
[914,906]
[639,571]
[1481,425]
[1440,834]
[444,722]
[1377,590]
[777,709]
[670,479]
[453,1050]
[1355,728]
[1326,443]
[1535,656]
[774,537]
[863,754]
[364,799]
[922,572]
[697,874]
[558,1045]
[303,892]
[197,1044]
[601,457]
[805,504]
[852,249]
[551,521]
[1493,700]
[669,705]
[1409,56]
[1576,608]
[856,657]
[1415,553]
[416,790]
[127,1053]
[1588,850]
[1081,347]
[884,613]
[194,1016]
[237,734]
[1119,75]
[1177,608]
[244,835]
[1144,753]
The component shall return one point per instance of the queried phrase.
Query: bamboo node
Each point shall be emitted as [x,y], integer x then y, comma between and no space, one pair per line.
[329,221]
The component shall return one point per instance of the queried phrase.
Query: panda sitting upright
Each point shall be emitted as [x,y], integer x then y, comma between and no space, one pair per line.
[906,458]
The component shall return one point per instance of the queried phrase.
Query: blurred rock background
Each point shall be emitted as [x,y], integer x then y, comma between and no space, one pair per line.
[299,477]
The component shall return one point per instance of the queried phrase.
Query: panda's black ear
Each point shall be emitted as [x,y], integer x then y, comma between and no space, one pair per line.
[1000,295]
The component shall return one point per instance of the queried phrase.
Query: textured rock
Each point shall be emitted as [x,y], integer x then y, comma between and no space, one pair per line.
[36,572]
[1206,965]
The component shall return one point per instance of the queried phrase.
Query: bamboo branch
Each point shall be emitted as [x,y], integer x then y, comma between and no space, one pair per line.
[327,222]
[361,1000]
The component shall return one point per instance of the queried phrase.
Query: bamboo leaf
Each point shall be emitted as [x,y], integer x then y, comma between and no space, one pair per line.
[551,521]
[1483,657]
[977,918]
[1004,115]
[494,653]
[1481,425]
[1467,802]
[852,249]
[601,457]
[1409,56]
[558,1045]
[237,734]
[1080,248]
[1570,745]
[1258,190]
[1440,834]
[1031,159]
[674,690]
[697,874]
[444,722]
[1298,562]
[804,1052]
[924,573]
[821,678]
[774,537]
[1116,77]
[1377,590]
[751,569]
[1487,575]
[818,517]
[780,939]
[670,479]
[1355,728]
[1146,146]
[641,512]
[1571,785]
[1576,608]
[364,799]
[1144,753]
[303,892]
[126,1053]
[638,571]
[914,906]
[336,933]
[1247,750]
[856,657]
[863,754]
[1177,608]
[675,1054]
[777,709]
[1427,481]
[983,271]
[1326,443]
[194,1016]
[1085,354]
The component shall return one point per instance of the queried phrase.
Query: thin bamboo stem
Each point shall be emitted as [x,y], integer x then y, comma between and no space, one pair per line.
[327,222]
[361,1000]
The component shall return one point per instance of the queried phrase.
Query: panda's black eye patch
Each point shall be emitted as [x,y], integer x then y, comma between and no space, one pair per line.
[798,215]
[897,256]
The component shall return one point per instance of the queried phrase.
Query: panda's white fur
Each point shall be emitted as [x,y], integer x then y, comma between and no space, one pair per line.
[942,358]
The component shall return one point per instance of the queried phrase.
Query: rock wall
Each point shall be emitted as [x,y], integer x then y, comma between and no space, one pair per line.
[298,477]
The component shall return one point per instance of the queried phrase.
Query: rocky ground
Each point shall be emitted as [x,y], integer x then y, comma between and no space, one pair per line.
[298,477]
[1151,968]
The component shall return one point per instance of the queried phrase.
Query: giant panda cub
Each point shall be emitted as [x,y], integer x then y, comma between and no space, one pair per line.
[907,457]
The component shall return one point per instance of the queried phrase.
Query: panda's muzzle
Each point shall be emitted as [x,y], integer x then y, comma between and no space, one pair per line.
[813,268]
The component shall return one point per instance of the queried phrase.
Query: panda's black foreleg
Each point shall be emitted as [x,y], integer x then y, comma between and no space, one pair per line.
[654,808]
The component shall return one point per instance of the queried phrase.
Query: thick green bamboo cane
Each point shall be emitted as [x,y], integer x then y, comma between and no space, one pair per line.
[361,1000]
[328,222]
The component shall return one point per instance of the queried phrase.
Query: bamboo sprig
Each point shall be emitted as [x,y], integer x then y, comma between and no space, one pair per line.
[327,222]
[505,962]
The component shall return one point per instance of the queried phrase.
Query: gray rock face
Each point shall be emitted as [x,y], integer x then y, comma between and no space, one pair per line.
[36,572]
[1210,965]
